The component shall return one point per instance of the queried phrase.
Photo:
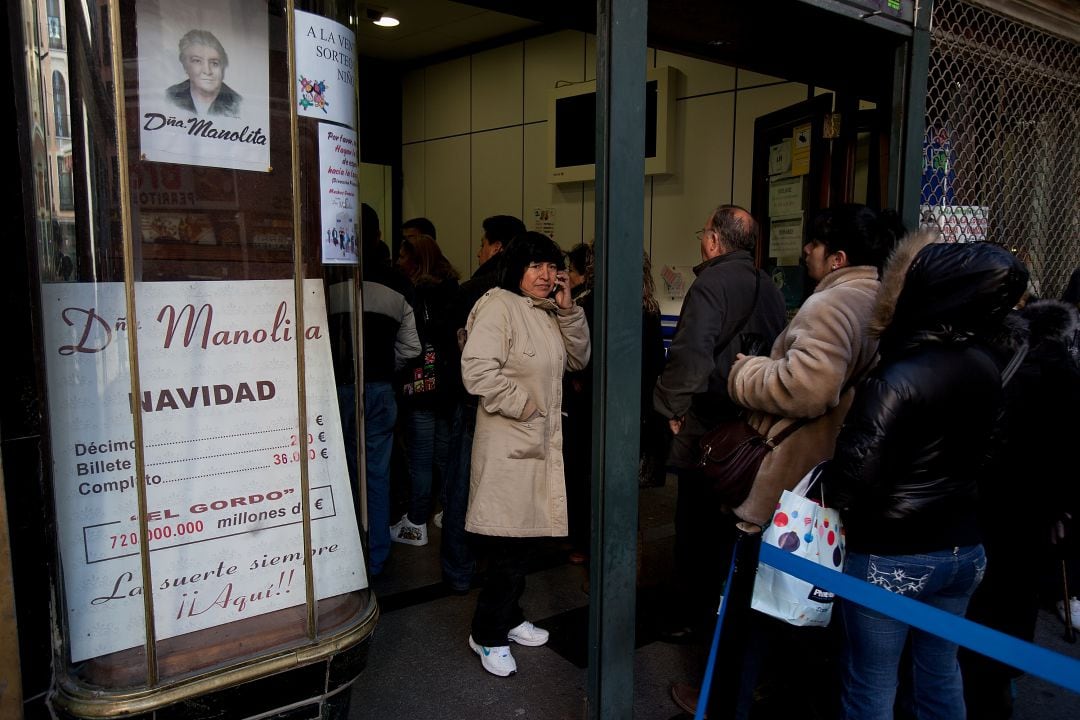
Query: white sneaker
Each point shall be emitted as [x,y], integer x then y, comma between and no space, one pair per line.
[438,519]
[407,533]
[496,660]
[528,634]
[1074,610]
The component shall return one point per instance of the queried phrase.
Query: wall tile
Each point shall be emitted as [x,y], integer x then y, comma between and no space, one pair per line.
[564,199]
[697,77]
[497,170]
[549,60]
[412,106]
[414,181]
[448,196]
[446,99]
[497,87]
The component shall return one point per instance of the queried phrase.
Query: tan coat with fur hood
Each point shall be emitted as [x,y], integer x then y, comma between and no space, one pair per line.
[823,346]
[518,349]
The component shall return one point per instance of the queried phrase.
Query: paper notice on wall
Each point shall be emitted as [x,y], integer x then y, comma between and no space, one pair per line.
[800,150]
[786,241]
[543,221]
[204,83]
[785,197]
[326,69]
[222,460]
[339,159]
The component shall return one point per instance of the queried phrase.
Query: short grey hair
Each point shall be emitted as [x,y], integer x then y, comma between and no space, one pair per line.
[203,37]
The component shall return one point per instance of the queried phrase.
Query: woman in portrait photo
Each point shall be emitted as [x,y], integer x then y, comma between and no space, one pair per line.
[204,92]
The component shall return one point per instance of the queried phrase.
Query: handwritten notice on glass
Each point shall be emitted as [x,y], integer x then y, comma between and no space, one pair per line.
[219,409]
[339,160]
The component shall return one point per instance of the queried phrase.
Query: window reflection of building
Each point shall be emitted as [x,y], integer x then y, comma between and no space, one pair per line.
[56,27]
[59,239]
[60,105]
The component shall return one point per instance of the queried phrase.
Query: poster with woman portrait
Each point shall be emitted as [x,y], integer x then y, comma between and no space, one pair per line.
[204,83]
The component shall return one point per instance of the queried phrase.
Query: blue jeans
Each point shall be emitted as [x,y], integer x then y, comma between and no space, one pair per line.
[380,413]
[944,579]
[458,561]
[427,435]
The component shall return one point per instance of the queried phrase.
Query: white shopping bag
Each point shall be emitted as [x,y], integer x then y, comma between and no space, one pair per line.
[805,528]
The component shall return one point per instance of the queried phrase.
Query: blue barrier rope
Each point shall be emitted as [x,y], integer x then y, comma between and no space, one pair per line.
[1032,659]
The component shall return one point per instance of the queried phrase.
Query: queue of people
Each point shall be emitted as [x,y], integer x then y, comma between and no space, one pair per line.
[895,369]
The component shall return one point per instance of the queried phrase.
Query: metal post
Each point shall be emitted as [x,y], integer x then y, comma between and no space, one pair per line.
[616,351]
[913,62]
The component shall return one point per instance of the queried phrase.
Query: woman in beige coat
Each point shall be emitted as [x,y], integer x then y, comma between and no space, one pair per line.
[522,336]
[825,346]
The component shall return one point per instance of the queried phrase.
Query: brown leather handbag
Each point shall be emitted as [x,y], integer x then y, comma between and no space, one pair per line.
[731,454]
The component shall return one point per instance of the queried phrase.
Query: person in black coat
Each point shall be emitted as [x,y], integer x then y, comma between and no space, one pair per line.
[909,459]
[1025,494]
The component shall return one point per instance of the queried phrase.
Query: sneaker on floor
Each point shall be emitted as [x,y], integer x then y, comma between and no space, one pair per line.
[1074,610]
[496,660]
[438,519]
[407,533]
[528,634]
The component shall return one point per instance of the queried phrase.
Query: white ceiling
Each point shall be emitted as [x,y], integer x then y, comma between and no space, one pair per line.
[429,27]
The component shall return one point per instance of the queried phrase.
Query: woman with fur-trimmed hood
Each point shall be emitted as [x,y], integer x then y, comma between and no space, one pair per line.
[909,459]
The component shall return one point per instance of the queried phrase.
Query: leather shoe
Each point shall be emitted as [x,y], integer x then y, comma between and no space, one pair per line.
[685,696]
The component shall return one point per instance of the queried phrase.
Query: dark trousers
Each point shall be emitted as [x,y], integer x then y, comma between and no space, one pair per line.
[458,564]
[704,540]
[498,609]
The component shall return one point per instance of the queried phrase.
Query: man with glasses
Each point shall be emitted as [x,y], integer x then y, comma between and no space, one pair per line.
[692,394]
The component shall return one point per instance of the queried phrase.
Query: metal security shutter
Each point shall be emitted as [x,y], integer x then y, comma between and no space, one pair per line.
[1002,147]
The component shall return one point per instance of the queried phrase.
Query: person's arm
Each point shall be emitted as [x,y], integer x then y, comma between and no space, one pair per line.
[691,357]
[407,342]
[855,476]
[575,335]
[483,359]
[805,378]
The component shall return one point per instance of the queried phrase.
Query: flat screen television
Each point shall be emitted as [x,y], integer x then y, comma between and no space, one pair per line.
[572,127]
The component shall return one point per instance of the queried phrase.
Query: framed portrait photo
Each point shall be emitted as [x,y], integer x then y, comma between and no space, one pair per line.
[204,83]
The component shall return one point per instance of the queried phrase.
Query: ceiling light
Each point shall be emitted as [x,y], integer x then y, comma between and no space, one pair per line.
[379,17]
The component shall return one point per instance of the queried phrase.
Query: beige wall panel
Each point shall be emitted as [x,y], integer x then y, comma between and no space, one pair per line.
[412,106]
[590,57]
[446,99]
[564,199]
[497,87]
[749,79]
[414,174]
[588,212]
[448,196]
[682,201]
[753,104]
[697,77]
[550,59]
[376,191]
[497,169]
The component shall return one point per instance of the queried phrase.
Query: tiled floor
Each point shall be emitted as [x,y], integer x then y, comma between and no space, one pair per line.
[420,665]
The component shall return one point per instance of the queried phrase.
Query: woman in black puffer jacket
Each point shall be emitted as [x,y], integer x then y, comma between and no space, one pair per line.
[908,460]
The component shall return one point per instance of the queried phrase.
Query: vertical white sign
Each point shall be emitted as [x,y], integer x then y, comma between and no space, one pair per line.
[339,165]
[204,83]
[326,69]
[222,457]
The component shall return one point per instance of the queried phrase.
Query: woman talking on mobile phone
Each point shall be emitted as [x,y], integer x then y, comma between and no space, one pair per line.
[522,336]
